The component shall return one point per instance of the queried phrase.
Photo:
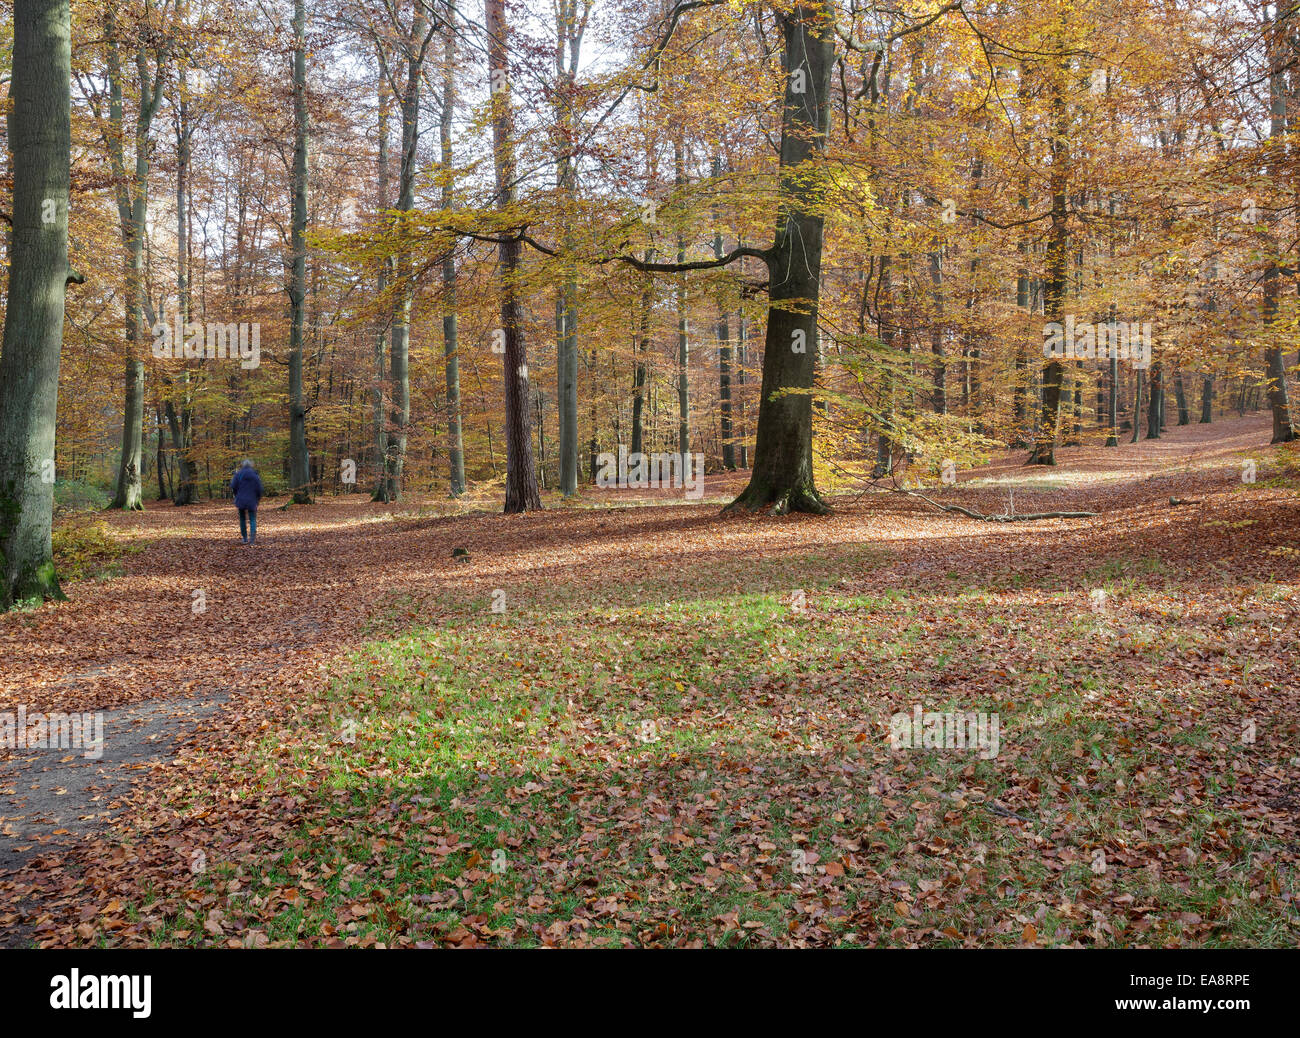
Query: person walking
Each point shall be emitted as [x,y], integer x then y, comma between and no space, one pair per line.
[247,488]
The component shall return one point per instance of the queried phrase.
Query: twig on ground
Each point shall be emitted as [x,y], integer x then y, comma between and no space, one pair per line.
[1006,517]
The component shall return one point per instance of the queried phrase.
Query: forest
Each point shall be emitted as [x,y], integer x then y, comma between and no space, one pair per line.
[707,473]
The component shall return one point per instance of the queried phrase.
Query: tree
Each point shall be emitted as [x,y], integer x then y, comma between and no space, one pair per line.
[521,478]
[132,196]
[450,332]
[299,474]
[782,477]
[40,138]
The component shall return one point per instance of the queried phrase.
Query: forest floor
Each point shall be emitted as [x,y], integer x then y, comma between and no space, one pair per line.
[674,728]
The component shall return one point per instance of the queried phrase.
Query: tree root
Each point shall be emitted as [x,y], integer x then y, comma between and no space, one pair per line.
[792,499]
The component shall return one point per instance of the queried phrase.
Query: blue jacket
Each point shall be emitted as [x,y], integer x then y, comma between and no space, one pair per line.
[247,488]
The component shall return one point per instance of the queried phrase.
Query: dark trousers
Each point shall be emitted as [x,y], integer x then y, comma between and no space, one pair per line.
[248,524]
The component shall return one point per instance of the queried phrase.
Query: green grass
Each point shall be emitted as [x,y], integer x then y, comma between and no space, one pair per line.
[658,761]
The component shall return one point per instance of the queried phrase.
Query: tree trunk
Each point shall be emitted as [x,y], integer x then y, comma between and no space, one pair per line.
[399,355]
[1180,398]
[1044,450]
[521,478]
[683,341]
[299,477]
[568,38]
[1155,392]
[639,365]
[940,396]
[185,488]
[724,353]
[1207,400]
[782,478]
[378,430]
[1112,401]
[40,140]
[450,332]
[132,207]
[1274,365]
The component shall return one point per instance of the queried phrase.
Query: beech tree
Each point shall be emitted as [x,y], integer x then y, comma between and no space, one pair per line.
[40,140]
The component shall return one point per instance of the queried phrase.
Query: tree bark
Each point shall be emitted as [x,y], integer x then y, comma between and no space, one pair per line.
[450,332]
[40,139]
[521,478]
[132,207]
[378,429]
[299,476]
[782,478]
[1044,450]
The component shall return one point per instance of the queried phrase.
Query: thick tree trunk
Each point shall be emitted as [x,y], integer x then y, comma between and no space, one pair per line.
[521,478]
[40,140]
[782,477]
[1207,400]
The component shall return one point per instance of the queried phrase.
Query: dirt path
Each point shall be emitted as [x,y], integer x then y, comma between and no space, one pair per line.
[203,641]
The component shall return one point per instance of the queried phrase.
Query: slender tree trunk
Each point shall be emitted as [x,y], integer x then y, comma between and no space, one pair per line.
[132,206]
[378,431]
[521,478]
[185,487]
[1044,450]
[940,377]
[399,356]
[742,448]
[639,364]
[40,140]
[1112,402]
[683,341]
[1274,364]
[1155,392]
[450,340]
[1180,398]
[299,476]
[724,352]
[1137,407]
[1207,400]
[568,39]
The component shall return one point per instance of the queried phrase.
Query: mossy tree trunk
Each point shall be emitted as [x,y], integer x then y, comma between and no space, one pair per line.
[40,138]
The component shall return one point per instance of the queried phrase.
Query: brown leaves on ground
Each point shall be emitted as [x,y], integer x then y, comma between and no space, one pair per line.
[785,818]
